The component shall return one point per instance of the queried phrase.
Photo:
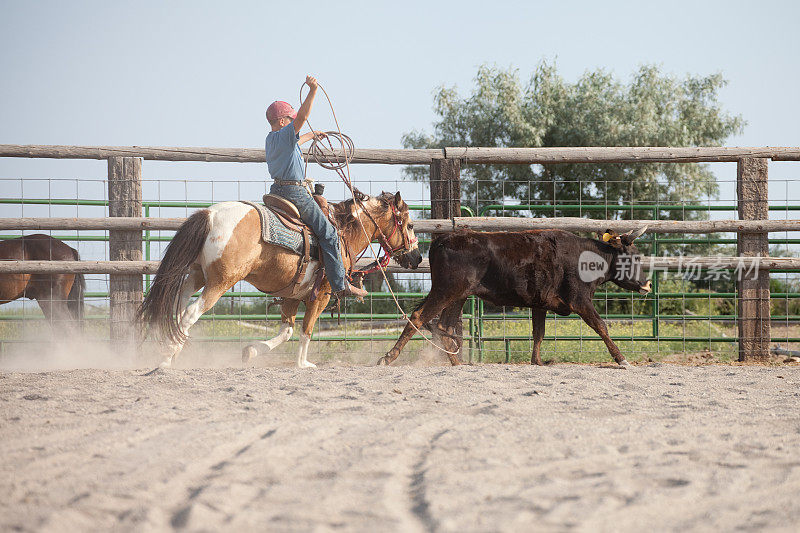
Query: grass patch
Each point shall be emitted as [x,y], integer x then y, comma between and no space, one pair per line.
[575,342]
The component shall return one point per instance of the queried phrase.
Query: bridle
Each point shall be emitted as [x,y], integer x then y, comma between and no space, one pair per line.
[388,250]
[407,243]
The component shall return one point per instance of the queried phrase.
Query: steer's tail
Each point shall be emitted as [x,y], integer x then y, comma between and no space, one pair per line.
[160,306]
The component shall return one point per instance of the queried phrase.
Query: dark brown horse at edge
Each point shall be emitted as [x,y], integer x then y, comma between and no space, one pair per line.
[60,296]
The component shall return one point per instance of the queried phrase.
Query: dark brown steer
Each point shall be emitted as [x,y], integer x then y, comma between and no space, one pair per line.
[546,270]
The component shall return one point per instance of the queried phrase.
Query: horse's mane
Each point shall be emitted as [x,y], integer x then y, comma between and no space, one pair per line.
[343,211]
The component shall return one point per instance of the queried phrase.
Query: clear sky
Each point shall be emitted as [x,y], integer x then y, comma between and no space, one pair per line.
[202,73]
[157,73]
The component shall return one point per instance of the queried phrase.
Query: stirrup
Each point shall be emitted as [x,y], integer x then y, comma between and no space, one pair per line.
[352,290]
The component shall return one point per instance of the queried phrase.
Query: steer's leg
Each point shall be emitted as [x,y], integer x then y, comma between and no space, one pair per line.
[451,330]
[430,307]
[589,315]
[537,325]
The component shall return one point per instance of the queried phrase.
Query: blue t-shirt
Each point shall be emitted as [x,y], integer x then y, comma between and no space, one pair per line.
[284,159]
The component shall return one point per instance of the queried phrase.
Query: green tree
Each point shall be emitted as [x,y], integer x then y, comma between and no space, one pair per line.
[653,109]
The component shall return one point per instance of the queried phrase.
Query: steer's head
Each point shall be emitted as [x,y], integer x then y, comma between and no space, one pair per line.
[627,263]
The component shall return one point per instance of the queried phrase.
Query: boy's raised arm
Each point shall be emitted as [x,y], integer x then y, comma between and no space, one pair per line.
[305,107]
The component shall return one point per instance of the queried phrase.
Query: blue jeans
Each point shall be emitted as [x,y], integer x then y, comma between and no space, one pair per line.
[312,215]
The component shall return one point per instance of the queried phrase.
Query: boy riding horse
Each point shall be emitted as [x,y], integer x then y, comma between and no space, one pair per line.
[285,164]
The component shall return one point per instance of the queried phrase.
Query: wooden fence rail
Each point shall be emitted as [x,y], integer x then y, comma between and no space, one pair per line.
[585,224]
[218,155]
[93,223]
[439,225]
[639,154]
[649,263]
[527,156]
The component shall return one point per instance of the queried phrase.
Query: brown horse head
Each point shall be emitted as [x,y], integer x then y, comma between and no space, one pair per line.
[394,227]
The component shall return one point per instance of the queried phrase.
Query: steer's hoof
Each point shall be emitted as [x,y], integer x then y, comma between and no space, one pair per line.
[248,352]
[383,361]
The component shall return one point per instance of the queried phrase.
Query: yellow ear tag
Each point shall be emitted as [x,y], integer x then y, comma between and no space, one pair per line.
[607,237]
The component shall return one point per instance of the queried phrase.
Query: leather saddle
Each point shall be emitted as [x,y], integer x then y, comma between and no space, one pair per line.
[288,214]
[286,211]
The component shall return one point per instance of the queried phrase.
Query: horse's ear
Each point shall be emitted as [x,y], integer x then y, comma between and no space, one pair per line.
[397,200]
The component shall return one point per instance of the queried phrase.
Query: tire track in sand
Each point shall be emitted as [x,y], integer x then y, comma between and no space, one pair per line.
[181,491]
[406,491]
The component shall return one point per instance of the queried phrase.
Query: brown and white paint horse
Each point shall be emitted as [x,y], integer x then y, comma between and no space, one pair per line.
[221,245]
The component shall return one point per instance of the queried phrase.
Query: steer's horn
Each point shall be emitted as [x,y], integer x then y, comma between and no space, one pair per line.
[634,234]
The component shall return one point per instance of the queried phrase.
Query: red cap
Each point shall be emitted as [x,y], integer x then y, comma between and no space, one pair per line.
[279,109]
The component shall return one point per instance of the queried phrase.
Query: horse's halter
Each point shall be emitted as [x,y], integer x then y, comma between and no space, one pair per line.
[390,251]
[398,226]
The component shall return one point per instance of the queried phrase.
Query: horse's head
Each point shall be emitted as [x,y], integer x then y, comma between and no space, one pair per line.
[396,234]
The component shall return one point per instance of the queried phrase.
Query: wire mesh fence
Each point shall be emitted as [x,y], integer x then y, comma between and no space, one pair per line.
[355,332]
[691,315]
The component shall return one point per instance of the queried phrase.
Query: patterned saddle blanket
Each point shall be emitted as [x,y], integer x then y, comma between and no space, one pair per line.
[274,231]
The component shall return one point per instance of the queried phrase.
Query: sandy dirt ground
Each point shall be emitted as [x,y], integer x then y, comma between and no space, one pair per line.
[354,448]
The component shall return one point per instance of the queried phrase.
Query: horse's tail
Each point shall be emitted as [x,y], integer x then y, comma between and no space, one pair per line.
[160,306]
[75,302]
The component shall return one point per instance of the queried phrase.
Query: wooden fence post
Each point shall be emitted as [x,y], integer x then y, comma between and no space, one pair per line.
[446,203]
[445,188]
[125,290]
[753,290]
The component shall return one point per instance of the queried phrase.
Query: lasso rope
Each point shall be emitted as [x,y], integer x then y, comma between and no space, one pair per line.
[342,167]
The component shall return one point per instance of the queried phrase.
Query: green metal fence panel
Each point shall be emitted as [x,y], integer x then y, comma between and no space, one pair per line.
[478,319]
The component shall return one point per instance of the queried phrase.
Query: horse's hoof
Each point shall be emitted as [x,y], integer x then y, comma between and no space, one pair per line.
[383,361]
[306,364]
[165,364]
[248,352]
[624,364]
